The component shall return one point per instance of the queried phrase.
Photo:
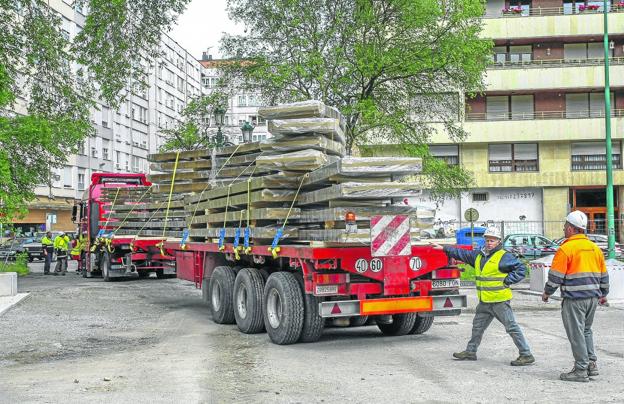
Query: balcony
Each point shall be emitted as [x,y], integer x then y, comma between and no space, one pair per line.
[532,64]
[552,77]
[548,22]
[540,126]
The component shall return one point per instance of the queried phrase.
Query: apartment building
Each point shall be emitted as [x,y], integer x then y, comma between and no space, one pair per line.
[536,136]
[124,137]
[242,105]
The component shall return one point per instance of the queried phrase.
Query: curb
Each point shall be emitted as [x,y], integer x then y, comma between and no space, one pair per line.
[12,301]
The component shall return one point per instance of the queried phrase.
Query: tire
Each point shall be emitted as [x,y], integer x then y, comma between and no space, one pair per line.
[358,321]
[422,325]
[313,323]
[160,274]
[143,274]
[221,293]
[205,291]
[106,266]
[283,308]
[248,291]
[265,274]
[401,324]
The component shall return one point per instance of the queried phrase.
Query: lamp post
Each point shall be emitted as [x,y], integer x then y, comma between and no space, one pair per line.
[247,130]
[607,94]
[219,114]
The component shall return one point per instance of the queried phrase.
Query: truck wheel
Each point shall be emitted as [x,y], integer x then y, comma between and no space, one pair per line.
[283,308]
[421,325]
[248,288]
[106,266]
[313,323]
[265,273]
[221,292]
[358,321]
[401,324]
[143,274]
[160,274]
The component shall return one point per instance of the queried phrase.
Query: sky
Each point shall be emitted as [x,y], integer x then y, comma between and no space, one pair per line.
[201,26]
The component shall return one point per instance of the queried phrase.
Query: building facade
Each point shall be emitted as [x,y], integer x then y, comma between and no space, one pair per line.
[123,137]
[536,136]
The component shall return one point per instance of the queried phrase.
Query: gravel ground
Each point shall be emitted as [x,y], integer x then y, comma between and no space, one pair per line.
[81,340]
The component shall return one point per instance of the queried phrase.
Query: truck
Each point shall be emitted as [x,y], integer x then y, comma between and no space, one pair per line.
[109,255]
[291,290]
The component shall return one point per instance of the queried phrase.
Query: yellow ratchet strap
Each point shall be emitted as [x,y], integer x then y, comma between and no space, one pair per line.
[173,175]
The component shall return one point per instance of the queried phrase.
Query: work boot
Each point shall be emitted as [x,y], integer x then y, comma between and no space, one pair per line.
[592,369]
[523,360]
[465,356]
[576,375]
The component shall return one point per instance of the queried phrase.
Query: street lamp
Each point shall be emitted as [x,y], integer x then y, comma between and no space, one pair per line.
[607,95]
[247,130]
[219,114]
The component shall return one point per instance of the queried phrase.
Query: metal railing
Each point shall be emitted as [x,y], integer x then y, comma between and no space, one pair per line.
[537,115]
[534,63]
[551,11]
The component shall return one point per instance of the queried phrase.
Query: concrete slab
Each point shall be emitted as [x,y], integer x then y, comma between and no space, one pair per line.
[6,302]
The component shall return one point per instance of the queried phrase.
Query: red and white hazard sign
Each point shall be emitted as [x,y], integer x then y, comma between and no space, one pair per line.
[390,236]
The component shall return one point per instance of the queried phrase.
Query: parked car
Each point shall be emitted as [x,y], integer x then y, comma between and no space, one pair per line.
[529,245]
[11,248]
[602,241]
[33,248]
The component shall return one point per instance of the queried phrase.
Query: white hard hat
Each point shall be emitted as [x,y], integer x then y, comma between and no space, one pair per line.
[493,232]
[577,219]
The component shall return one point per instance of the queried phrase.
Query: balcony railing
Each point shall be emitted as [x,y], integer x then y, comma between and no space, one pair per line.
[582,162]
[549,11]
[524,64]
[525,116]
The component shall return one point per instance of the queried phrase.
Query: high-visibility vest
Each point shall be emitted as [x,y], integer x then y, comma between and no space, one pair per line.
[489,280]
[46,242]
[61,243]
[80,243]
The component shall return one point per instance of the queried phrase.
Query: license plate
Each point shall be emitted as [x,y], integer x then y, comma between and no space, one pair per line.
[326,289]
[444,283]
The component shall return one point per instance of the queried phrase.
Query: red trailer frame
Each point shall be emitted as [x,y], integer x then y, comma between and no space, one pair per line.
[337,281]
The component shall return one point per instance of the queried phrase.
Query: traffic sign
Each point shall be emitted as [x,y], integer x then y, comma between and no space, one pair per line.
[471,215]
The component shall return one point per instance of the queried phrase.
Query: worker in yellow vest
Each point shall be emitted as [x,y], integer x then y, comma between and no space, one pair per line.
[48,252]
[495,270]
[78,251]
[61,246]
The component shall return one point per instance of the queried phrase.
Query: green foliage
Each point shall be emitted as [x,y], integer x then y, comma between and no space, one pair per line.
[390,66]
[468,273]
[20,265]
[193,132]
[48,82]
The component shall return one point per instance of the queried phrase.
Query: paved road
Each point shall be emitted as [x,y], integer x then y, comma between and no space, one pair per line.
[79,340]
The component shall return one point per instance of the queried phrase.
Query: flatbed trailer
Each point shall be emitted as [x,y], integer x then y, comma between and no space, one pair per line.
[290,292]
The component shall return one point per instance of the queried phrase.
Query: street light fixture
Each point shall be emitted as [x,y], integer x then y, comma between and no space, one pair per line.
[219,115]
[247,130]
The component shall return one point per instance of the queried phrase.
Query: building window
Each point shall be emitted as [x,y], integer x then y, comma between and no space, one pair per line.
[81,181]
[81,148]
[67,177]
[504,107]
[593,156]
[105,114]
[242,101]
[479,196]
[518,157]
[586,105]
[448,153]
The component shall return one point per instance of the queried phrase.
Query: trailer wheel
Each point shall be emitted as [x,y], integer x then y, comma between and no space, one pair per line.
[313,323]
[265,273]
[106,266]
[221,292]
[248,288]
[401,324]
[160,274]
[143,274]
[422,325]
[358,321]
[283,308]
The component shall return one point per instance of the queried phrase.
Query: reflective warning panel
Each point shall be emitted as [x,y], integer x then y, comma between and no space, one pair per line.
[390,236]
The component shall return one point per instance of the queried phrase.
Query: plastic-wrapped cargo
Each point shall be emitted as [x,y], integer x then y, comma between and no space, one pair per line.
[304,160]
[329,127]
[302,109]
[357,190]
[317,142]
[366,167]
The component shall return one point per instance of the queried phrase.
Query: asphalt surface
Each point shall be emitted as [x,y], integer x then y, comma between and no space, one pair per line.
[78,340]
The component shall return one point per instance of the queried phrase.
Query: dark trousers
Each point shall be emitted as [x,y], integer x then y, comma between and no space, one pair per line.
[48,260]
[61,262]
[578,317]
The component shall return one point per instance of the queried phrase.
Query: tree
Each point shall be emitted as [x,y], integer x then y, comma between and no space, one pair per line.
[193,132]
[390,66]
[49,83]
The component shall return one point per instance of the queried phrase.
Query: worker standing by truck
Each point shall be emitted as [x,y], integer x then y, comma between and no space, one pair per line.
[78,251]
[495,269]
[61,246]
[48,252]
[579,269]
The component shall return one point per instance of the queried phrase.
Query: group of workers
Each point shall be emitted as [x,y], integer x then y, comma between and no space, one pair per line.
[578,269]
[59,245]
